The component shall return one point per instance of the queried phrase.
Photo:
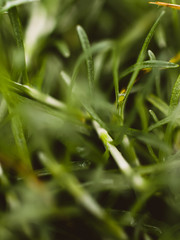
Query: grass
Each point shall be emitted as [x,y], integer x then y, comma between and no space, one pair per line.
[89,119]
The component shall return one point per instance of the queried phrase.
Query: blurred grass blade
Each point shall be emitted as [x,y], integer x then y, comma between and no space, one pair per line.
[73,186]
[151,55]
[89,60]
[66,78]
[62,48]
[137,181]
[175,96]
[16,124]
[145,137]
[20,141]
[18,132]
[159,123]
[152,113]
[10,4]
[164,4]
[159,104]
[16,24]
[139,61]
[3,109]
[33,93]
[141,109]
[130,151]
[173,113]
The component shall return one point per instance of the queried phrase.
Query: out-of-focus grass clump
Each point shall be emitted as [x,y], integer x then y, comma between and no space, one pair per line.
[89,120]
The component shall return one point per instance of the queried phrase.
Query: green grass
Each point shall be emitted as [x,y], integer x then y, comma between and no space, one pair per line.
[89,120]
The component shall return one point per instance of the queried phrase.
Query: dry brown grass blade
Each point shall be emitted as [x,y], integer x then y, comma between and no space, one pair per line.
[175,6]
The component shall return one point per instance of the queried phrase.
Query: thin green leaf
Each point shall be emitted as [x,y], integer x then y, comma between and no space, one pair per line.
[152,113]
[16,24]
[89,60]
[159,123]
[101,47]
[151,55]
[172,118]
[139,61]
[3,109]
[10,4]
[175,96]
[148,64]
[115,73]
[63,48]
[36,95]
[20,140]
[138,181]
[145,137]
[17,129]
[158,103]
[30,92]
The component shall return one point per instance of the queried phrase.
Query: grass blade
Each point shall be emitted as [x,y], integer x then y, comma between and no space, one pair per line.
[89,60]
[175,96]
[16,24]
[115,73]
[139,61]
[148,64]
[74,187]
[18,132]
[138,182]
[158,103]
[11,4]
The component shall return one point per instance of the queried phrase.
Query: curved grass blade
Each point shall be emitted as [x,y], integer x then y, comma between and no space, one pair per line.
[29,92]
[33,93]
[139,61]
[11,4]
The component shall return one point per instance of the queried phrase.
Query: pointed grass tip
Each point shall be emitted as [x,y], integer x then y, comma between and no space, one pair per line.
[175,6]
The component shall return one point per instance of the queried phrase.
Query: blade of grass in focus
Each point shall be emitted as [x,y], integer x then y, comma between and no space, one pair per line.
[89,61]
[139,61]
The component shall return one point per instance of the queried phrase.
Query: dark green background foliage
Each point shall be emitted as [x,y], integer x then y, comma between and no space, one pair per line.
[81,158]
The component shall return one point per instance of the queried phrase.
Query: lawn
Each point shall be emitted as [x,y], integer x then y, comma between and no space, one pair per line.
[89,120]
